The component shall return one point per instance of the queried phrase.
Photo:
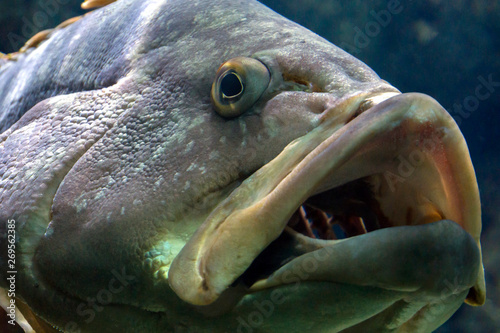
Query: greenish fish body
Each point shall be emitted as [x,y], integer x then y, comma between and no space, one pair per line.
[173,166]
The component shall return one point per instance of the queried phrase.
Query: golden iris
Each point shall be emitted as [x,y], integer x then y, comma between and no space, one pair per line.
[238,84]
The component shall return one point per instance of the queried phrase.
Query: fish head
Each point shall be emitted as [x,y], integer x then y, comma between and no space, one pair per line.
[218,174]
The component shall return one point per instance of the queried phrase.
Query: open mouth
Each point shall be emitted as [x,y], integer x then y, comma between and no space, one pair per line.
[401,162]
[339,213]
[336,214]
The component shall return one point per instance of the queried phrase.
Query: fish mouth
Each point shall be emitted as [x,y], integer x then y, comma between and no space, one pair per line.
[374,164]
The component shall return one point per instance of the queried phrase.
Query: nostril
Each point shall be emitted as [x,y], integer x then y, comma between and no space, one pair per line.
[363,106]
[371,102]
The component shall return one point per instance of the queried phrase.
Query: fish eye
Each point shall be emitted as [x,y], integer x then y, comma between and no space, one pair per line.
[230,85]
[238,84]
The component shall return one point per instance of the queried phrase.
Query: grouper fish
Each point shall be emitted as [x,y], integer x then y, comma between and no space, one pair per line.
[210,166]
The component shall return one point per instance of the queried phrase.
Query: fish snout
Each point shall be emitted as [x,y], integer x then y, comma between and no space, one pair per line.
[394,171]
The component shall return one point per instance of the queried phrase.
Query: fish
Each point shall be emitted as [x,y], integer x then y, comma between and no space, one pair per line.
[211,166]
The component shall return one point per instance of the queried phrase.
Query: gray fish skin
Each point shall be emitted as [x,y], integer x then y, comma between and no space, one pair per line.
[118,38]
[112,156]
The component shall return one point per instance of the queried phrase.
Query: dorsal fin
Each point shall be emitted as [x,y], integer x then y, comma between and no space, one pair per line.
[45,34]
[91,4]
[68,22]
[36,39]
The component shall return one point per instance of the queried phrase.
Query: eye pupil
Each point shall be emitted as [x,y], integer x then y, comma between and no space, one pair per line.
[231,86]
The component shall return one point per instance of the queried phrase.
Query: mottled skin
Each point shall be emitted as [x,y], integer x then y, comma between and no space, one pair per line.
[120,157]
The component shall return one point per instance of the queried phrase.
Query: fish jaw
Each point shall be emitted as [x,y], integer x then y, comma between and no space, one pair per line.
[378,146]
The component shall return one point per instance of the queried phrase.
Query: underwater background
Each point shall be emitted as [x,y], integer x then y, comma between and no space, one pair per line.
[445,49]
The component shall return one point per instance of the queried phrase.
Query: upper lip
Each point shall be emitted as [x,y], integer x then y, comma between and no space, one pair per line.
[348,148]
